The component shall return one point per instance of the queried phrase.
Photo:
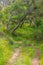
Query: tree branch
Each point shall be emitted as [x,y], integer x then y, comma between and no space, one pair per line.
[27,12]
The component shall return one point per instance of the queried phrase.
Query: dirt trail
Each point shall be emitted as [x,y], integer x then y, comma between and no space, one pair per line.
[36,60]
[14,56]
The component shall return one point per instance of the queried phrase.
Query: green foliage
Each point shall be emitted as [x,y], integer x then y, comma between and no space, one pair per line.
[24,36]
[4,51]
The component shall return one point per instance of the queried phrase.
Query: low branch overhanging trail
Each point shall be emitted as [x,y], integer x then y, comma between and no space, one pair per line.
[14,56]
[27,12]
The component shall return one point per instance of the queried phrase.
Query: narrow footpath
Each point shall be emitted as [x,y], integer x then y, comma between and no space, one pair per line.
[14,56]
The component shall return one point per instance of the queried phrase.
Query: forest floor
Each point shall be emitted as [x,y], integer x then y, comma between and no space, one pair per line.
[34,61]
[11,52]
[14,56]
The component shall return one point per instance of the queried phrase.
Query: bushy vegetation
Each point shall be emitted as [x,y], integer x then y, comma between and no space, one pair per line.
[21,24]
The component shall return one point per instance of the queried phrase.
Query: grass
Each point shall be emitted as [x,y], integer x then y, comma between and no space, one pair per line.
[26,56]
[41,61]
[4,51]
[20,37]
